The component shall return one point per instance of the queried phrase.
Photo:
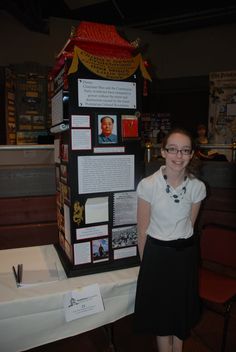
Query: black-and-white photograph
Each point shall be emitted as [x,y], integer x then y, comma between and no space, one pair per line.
[124,236]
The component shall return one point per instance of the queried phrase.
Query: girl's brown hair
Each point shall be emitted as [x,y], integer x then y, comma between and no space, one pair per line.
[180,131]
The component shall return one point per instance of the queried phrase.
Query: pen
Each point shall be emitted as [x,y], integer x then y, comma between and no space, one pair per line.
[20,272]
[15,274]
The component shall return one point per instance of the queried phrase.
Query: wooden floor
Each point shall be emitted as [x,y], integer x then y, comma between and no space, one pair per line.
[206,337]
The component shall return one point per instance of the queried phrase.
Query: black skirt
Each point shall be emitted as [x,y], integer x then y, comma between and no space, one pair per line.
[167,300]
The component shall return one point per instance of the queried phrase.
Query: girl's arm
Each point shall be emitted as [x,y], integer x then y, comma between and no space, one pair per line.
[143,219]
[194,212]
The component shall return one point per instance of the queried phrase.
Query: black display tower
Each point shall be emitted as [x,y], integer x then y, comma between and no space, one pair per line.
[97,86]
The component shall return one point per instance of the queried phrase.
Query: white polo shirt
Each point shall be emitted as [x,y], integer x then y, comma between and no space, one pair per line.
[170,220]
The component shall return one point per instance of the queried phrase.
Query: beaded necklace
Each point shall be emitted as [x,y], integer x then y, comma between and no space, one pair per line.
[177,197]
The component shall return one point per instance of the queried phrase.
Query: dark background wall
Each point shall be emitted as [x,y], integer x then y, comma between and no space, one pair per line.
[180,61]
[186,99]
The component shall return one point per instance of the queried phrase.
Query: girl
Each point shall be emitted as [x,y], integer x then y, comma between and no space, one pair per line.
[167,301]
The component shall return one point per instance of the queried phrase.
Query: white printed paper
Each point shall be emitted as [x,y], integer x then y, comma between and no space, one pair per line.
[125,252]
[82,253]
[34,277]
[125,208]
[106,94]
[105,150]
[82,302]
[96,210]
[81,139]
[105,173]
[38,277]
[91,232]
[80,121]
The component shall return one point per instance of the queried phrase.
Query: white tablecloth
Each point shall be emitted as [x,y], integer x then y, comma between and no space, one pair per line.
[34,316]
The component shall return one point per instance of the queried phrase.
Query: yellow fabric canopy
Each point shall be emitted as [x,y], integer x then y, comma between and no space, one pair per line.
[110,68]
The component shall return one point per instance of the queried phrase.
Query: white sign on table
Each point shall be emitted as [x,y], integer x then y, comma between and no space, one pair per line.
[82,302]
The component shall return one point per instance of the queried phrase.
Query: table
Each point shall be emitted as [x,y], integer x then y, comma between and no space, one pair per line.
[33,316]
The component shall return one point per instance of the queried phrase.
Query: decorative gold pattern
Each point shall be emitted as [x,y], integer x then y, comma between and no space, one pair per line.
[78,213]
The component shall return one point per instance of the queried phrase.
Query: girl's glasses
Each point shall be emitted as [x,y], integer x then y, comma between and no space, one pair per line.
[173,150]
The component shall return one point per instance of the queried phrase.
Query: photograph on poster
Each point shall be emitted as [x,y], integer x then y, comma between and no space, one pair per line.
[129,127]
[100,250]
[124,236]
[107,129]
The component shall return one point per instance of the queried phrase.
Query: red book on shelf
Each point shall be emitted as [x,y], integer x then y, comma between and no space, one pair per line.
[129,125]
